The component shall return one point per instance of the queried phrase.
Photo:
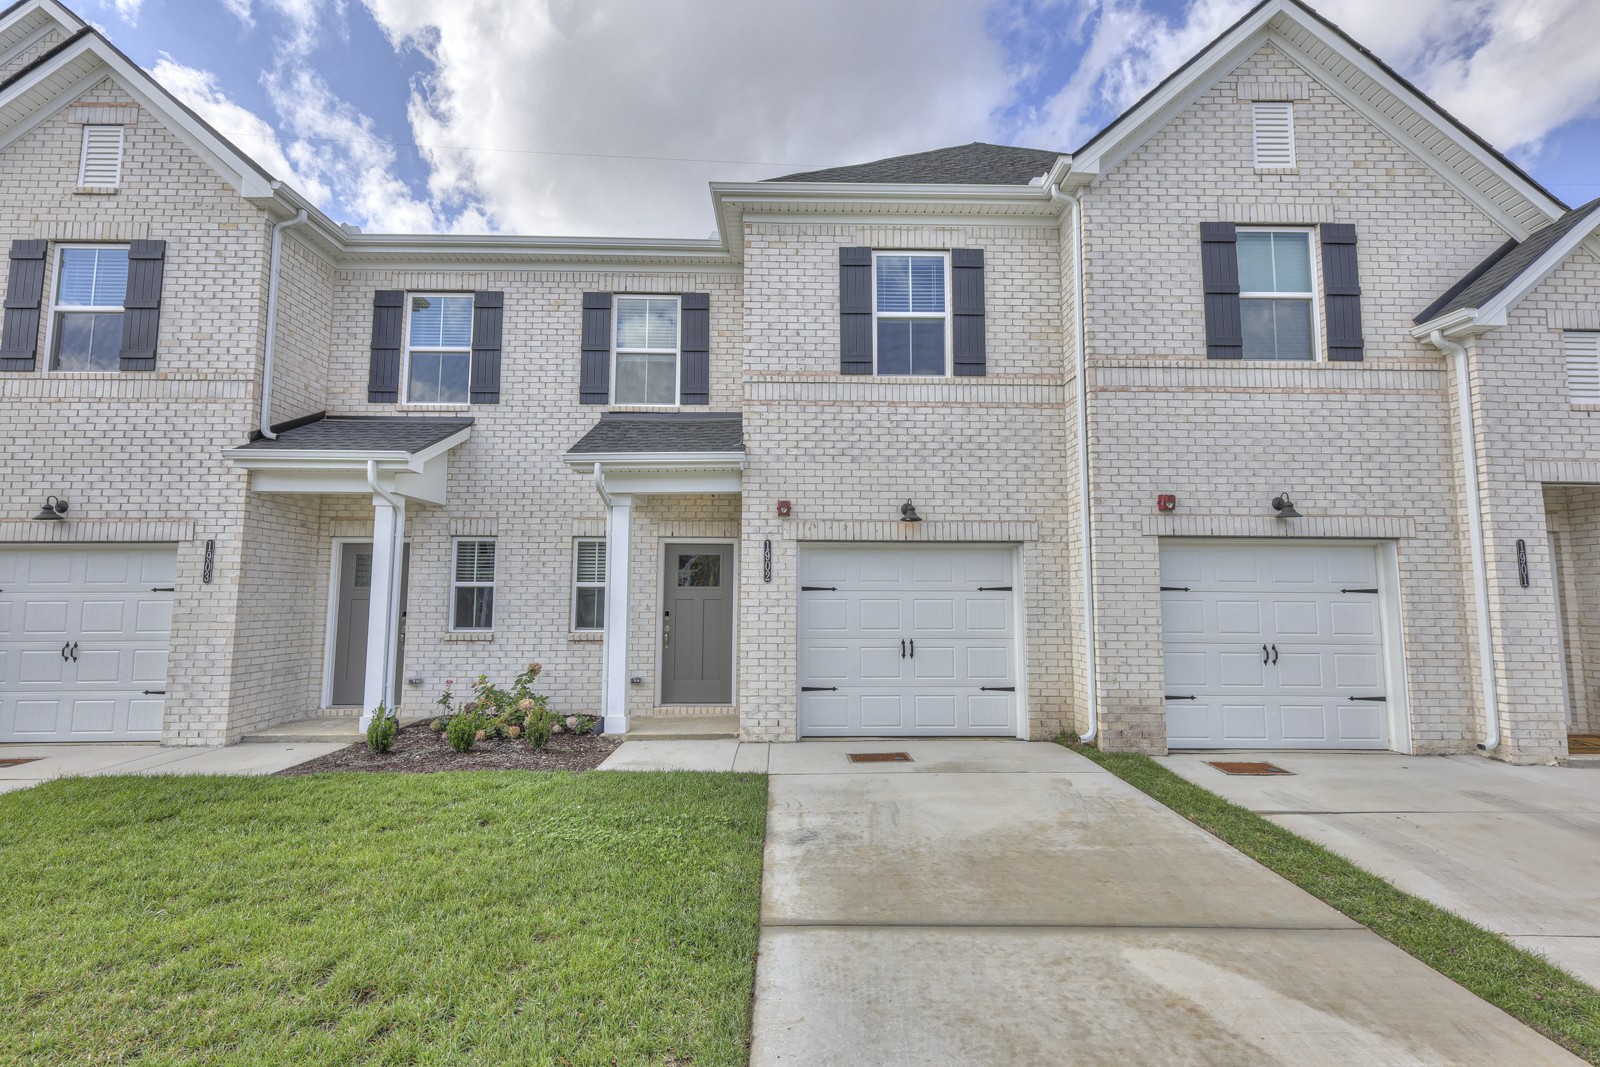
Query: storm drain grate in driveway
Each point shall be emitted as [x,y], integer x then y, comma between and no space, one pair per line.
[20,762]
[1258,769]
[880,757]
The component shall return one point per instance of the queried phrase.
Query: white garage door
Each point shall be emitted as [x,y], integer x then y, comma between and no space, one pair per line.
[907,640]
[1273,646]
[83,642]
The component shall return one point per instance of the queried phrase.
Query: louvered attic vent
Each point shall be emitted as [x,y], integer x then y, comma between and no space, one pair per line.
[102,157]
[1583,365]
[1274,133]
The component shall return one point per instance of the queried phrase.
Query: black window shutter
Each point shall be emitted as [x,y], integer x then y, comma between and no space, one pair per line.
[19,338]
[1341,284]
[694,330]
[1219,264]
[487,314]
[388,330]
[594,384]
[855,311]
[141,307]
[966,309]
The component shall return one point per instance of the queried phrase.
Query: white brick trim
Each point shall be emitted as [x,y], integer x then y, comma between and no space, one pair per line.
[32,531]
[1366,527]
[1573,318]
[1564,471]
[891,530]
[474,527]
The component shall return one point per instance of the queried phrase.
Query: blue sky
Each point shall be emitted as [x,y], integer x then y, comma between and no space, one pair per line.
[609,116]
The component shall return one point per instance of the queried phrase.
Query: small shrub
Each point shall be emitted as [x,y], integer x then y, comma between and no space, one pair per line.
[381,731]
[538,730]
[462,731]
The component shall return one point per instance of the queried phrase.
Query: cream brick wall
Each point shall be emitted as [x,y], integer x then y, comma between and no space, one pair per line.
[983,458]
[1572,514]
[304,331]
[138,454]
[1365,441]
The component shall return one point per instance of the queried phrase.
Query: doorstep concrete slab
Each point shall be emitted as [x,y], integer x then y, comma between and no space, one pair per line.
[938,996]
[672,756]
[935,755]
[991,848]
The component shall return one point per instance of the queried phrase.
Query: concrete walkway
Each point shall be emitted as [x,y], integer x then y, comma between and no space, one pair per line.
[46,762]
[1006,903]
[1515,849]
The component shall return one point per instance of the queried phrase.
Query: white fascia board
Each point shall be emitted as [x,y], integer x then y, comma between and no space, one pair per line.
[432,248]
[840,194]
[60,103]
[639,461]
[1495,312]
[1453,325]
[67,20]
[441,447]
[252,459]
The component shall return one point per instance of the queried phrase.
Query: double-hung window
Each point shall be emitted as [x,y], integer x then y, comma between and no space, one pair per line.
[1276,294]
[589,584]
[911,307]
[646,369]
[438,348]
[91,284]
[472,586]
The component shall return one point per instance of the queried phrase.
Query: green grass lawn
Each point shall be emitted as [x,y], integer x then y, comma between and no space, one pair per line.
[1524,985]
[463,918]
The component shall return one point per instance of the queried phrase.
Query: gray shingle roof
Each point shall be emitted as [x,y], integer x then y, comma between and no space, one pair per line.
[969,164]
[700,431]
[364,433]
[1506,264]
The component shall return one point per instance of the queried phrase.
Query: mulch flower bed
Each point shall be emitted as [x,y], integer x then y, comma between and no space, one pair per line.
[419,750]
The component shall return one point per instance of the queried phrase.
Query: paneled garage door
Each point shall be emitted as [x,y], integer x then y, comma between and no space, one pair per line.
[907,640]
[83,642]
[1273,646]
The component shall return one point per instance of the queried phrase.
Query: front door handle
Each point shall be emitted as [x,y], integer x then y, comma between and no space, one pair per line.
[666,629]
[1274,654]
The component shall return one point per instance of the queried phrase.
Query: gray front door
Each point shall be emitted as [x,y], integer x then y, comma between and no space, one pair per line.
[697,625]
[350,624]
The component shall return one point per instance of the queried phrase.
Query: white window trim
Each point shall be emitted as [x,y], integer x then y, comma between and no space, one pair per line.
[55,308]
[1255,135]
[455,557]
[1586,355]
[1310,232]
[572,615]
[676,351]
[405,357]
[906,316]
[83,155]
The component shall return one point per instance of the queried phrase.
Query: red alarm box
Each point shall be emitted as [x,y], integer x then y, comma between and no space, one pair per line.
[1167,502]
[783,509]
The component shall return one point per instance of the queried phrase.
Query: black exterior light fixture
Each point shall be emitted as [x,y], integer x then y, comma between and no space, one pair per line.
[1284,506]
[908,512]
[54,508]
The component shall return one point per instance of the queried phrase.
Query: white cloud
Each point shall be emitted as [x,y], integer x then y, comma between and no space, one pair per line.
[127,10]
[835,81]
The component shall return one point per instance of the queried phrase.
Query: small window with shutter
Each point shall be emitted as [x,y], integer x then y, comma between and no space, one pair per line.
[472,586]
[101,166]
[589,584]
[1582,349]
[1274,134]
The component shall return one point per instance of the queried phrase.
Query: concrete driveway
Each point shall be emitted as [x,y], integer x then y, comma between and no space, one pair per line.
[44,762]
[1006,903]
[1516,849]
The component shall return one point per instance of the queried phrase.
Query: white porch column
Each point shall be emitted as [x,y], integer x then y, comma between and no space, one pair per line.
[614,687]
[383,612]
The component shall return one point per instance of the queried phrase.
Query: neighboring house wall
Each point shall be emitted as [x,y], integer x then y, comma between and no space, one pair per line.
[1365,449]
[137,454]
[984,459]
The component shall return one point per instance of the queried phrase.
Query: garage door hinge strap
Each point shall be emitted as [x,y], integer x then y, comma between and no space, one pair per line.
[818,589]
[1383,700]
[819,689]
[1358,590]
[1174,589]
[994,589]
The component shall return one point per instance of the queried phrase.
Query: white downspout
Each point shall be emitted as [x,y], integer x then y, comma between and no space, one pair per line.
[396,557]
[1091,675]
[1480,566]
[270,344]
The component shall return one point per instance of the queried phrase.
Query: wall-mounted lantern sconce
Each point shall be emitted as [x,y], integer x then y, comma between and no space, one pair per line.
[54,508]
[1284,506]
[908,512]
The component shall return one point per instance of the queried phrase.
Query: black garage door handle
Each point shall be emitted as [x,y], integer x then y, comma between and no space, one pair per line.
[819,689]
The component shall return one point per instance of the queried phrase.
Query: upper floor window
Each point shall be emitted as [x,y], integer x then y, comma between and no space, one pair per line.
[1273,122]
[91,284]
[1276,297]
[911,309]
[101,163]
[438,348]
[1582,348]
[646,357]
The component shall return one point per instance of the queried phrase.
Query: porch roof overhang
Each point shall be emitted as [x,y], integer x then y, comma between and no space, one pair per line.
[407,456]
[663,452]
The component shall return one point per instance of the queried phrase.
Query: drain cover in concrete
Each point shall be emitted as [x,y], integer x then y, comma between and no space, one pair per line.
[19,762]
[880,757]
[1259,769]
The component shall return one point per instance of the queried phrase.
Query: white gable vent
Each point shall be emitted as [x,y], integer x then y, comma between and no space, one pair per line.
[102,156]
[1274,130]
[1583,365]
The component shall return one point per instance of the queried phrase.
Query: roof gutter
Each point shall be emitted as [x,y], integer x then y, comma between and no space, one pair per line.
[1480,567]
[269,346]
[1074,206]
